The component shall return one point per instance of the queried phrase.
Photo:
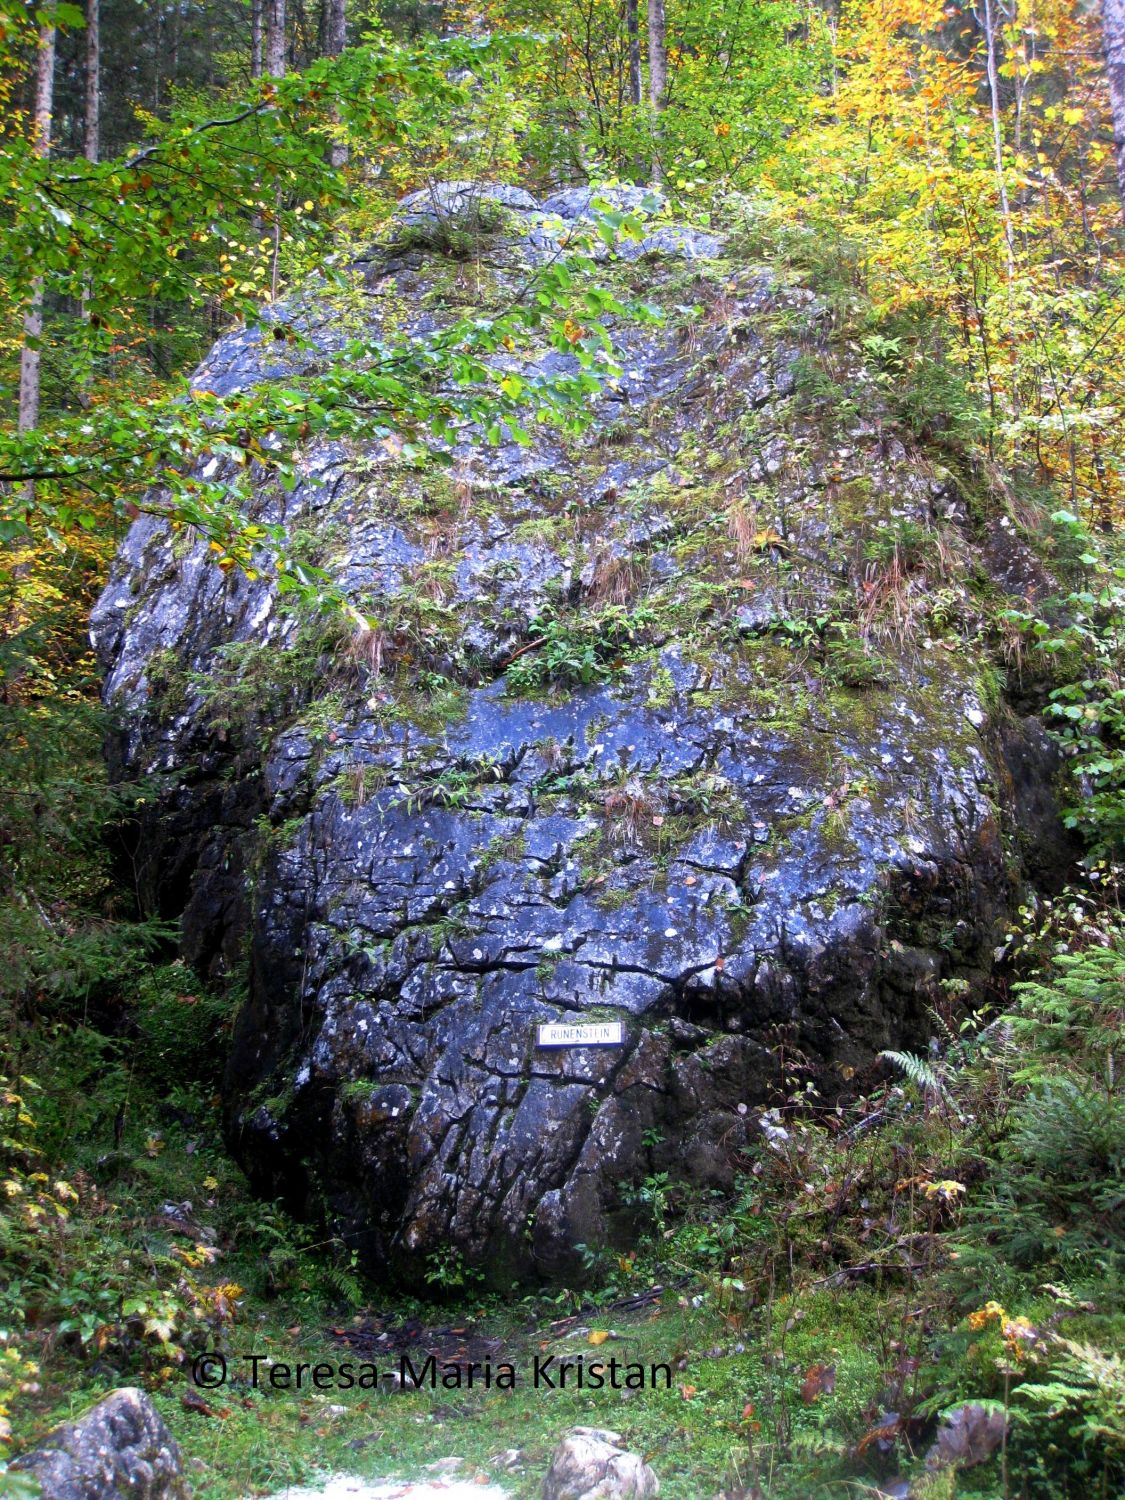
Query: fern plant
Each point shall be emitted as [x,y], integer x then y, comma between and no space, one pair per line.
[1083,1398]
[918,1070]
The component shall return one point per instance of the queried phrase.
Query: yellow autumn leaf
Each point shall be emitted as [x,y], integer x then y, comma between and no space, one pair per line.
[947,1189]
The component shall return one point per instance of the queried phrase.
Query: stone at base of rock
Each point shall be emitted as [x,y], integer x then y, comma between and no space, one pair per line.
[590,1464]
[121,1450]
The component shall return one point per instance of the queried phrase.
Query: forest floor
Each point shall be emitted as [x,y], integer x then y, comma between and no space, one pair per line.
[266,1428]
[797,1365]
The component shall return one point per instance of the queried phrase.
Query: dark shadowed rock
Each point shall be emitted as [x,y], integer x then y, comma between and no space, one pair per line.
[119,1451]
[649,730]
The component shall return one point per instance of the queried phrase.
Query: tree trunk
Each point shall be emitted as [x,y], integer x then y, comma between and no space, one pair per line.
[275,38]
[255,38]
[633,31]
[657,74]
[91,126]
[33,317]
[335,27]
[1113,42]
[657,55]
[993,74]
[335,40]
[91,141]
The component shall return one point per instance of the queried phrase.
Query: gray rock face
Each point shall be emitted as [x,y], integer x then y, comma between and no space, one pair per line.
[590,1464]
[642,734]
[119,1451]
[454,197]
[575,202]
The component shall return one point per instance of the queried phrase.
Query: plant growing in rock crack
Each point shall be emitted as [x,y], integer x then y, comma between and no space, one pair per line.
[628,810]
[850,661]
[453,786]
[616,579]
[257,684]
[447,1271]
[458,232]
[653,1197]
[579,650]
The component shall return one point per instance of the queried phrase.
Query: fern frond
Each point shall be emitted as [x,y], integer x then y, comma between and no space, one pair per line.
[343,1283]
[920,1072]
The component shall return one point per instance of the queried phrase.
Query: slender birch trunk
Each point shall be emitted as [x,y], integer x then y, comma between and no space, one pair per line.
[91,134]
[33,317]
[657,75]
[1113,46]
[275,38]
[633,31]
[998,141]
[335,40]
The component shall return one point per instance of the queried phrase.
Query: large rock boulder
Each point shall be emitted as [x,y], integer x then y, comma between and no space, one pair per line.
[590,1464]
[690,725]
[121,1450]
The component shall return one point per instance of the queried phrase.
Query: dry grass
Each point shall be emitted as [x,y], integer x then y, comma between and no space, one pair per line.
[742,525]
[890,601]
[370,648]
[432,583]
[894,594]
[356,785]
[1014,644]
[722,310]
[628,809]
[554,755]
[617,580]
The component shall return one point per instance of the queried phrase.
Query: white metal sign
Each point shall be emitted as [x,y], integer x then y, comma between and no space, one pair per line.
[589,1034]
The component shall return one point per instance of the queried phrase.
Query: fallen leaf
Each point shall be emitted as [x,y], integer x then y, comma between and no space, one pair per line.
[820,1380]
[192,1401]
[882,1435]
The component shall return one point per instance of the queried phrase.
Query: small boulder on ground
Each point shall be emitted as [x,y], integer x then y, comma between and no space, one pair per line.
[590,1464]
[121,1450]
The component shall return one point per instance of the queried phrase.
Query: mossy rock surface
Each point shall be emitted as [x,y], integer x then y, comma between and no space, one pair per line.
[691,723]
